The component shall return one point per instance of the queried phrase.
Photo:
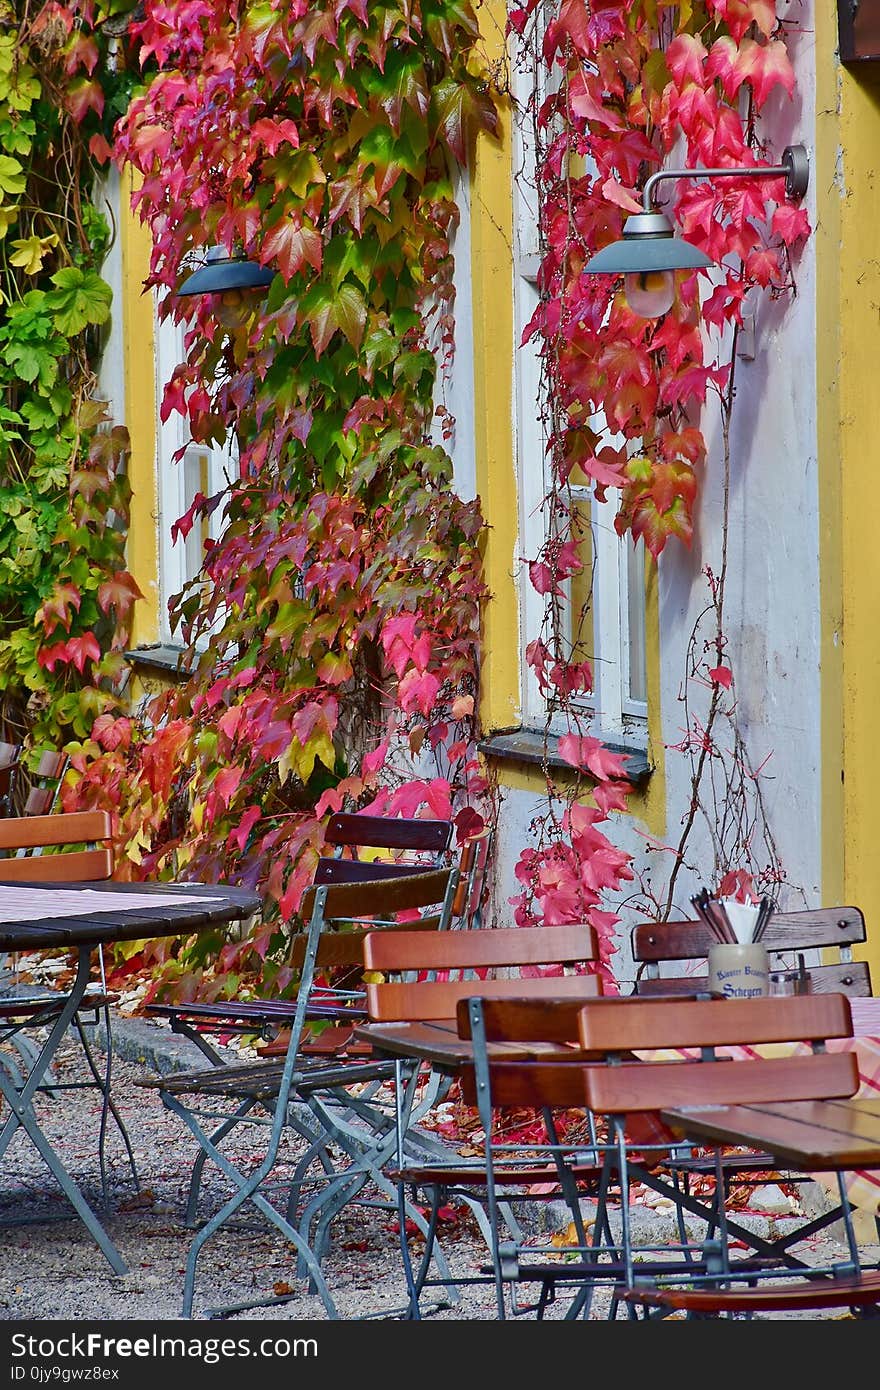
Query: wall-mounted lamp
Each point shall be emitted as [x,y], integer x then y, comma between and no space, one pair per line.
[648,255]
[234,279]
[222,272]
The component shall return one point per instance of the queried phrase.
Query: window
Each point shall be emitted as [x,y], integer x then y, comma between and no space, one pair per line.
[601,617]
[201,468]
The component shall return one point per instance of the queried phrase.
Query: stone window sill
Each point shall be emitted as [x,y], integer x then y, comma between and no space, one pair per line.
[160,656]
[536,747]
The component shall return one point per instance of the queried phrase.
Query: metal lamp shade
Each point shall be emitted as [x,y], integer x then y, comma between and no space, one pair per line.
[222,272]
[647,244]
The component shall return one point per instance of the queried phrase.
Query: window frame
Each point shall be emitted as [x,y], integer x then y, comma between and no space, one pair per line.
[178,560]
[610,710]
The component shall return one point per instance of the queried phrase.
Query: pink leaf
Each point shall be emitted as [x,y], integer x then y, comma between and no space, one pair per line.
[721,675]
[589,754]
[418,690]
[620,196]
[684,59]
[245,826]
[790,223]
[372,762]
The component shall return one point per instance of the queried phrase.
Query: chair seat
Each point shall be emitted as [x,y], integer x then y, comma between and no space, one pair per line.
[526,1175]
[821,1291]
[332,1042]
[261,1080]
[32,1006]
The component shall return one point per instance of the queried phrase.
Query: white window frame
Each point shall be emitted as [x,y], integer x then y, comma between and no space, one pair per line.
[611,712]
[202,468]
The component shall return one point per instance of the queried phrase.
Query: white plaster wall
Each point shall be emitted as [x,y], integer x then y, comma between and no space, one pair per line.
[111,378]
[772,605]
[454,388]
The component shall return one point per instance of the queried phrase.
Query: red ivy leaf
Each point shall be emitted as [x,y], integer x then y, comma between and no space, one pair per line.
[57,608]
[293,246]
[590,755]
[721,675]
[119,592]
[790,223]
[684,59]
[82,96]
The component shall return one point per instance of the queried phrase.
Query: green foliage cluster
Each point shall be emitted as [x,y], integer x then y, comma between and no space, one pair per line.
[65,595]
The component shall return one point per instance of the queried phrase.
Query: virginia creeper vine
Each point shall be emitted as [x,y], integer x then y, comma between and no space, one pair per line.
[65,592]
[334,629]
[617,89]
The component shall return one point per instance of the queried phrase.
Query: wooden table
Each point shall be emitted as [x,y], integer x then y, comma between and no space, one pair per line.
[438,1045]
[39,917]
[811,1136]
[862,1180]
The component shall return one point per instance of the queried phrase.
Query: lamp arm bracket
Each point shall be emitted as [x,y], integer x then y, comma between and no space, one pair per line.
[795,167]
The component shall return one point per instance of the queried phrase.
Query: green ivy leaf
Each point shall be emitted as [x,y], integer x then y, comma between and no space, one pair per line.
[326,313]
[24,89]
[31,361]
[81,298]
[13,179]
[17,134]
[402,83]
[351,313]
[458,110]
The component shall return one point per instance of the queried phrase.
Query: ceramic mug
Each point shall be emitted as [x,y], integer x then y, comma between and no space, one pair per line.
[739,972]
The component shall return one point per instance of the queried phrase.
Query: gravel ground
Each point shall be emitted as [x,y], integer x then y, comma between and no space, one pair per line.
[53,1270]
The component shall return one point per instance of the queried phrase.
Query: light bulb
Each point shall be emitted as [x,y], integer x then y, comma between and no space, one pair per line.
[231,309]
[649,293]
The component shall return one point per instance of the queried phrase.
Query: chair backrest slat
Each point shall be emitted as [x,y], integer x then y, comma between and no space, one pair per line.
[530,1020]
[435,999]
[65,828]
[488,947]
[44,783]
[509,949]
[786,931]
[852,978]
[361,870]
[653,1023]
[634,1086]
[90,829]
[73,866]
[388,832]
[381,897]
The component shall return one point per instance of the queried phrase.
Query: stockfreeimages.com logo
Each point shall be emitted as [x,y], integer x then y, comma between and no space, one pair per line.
[96,1347]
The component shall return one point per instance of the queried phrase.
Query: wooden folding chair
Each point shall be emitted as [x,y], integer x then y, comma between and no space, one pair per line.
[608,1080]
[656,946]
[508,955]
[10,754]
[709,1279]
[414,846]
[65,847]
[284,1091]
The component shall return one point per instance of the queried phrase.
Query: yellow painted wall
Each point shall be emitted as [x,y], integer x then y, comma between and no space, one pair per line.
[492,291]
[848,347]
[140,413]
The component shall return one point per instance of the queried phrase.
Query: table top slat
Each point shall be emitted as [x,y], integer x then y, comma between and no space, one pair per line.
[55,914]
[813,1136]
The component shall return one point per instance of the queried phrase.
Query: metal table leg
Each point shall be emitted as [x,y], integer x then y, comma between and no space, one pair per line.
[22,1114]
